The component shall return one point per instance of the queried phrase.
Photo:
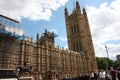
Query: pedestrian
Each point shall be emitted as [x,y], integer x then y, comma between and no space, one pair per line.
[86,77]
[95,75]
[92,75]
[108,76]
[118,74]
[113,73]
[102,75]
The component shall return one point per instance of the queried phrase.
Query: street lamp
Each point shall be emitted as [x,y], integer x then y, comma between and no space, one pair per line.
[107,51]
[107,54]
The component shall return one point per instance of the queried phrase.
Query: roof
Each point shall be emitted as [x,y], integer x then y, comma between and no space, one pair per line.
[9,18]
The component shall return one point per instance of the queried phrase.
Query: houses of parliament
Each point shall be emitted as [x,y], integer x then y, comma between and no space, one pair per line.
[47,61]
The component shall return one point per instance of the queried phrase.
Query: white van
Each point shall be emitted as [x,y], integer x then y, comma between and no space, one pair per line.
[8,74]
[25,78]
[9,79]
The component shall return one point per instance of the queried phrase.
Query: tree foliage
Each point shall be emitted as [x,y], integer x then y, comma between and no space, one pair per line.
[103,63]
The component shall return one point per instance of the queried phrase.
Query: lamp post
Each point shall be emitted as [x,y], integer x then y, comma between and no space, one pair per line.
[107,54]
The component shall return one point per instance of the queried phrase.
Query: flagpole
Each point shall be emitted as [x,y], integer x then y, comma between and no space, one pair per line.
[107,51]
[107,54]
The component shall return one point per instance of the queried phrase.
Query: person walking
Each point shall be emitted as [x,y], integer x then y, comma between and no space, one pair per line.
[118,73]
[113,73]
[92,75]
[102,75]
[108,76]
[95,75]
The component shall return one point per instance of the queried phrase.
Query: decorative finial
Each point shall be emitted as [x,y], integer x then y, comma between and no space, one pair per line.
[37,36]
[66,11]
[77,4]
[84,11]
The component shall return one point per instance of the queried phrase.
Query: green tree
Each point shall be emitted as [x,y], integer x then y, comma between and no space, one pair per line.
[117,64]
[103,63]
[111,63]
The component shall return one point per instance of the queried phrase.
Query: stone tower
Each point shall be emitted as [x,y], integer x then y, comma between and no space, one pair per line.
[79,35]
[47,39]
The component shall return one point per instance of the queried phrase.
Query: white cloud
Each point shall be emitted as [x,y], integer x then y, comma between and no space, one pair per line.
[64,39]
[105,26]
[66,47]
[54,30]
[31,9]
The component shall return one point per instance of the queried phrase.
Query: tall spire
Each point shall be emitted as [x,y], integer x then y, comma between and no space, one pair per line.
[84,11]
[66,11]
[23,37]
[37,36]
[77,5]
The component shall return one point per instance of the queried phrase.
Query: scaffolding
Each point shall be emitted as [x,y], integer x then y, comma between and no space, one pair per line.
[10,36]
[10,27]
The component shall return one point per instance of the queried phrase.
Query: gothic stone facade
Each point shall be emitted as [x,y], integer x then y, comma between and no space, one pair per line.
[48,61]
[79,35]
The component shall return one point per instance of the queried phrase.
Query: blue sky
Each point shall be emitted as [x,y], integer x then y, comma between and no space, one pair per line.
[56,22]
[37,15]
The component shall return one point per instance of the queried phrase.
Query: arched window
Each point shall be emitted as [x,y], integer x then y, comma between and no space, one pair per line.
[78,28]
[75,29]
[71,30]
